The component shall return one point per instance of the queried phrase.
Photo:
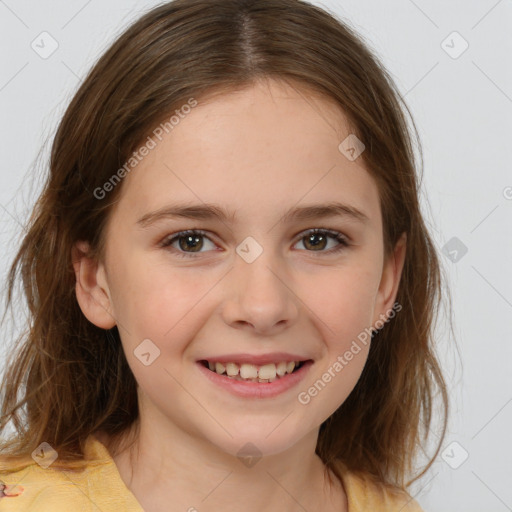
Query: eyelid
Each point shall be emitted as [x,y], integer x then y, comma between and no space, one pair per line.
[332,232]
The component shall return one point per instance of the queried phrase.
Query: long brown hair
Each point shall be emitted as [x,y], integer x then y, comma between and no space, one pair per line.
[73,376]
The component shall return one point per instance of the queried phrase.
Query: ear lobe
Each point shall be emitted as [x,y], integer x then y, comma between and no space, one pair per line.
[390,280]
[91,287]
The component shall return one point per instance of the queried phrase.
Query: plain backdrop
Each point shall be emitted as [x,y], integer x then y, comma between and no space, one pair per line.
[451,61]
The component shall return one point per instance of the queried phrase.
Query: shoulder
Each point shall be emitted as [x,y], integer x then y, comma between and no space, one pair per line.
[365,493]
[34,487]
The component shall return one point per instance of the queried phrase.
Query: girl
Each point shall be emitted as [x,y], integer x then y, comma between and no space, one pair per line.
[232,291]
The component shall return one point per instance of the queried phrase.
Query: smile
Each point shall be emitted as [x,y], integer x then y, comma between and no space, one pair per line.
[254,373]
[255,381]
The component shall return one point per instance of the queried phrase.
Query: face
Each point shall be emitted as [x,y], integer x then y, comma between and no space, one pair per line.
[255,285]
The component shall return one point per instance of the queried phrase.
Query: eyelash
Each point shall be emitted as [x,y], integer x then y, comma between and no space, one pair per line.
[336,235]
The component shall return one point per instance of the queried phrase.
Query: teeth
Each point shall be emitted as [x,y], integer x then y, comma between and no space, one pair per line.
[281,369]
[252,373]
[232,369]
[248,371]
[267,371]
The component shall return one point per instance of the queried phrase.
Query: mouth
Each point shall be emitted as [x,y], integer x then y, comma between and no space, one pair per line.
[262,374]
[255,376]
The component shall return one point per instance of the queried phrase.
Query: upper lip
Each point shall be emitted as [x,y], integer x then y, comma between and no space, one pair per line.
[260,359]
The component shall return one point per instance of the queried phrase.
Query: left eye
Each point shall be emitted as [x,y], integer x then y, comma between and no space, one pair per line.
[189,241]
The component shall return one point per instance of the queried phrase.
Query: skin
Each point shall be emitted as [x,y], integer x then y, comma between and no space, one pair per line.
[256,152]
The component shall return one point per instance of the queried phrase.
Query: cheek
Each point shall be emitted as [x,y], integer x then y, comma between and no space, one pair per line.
[340,377]
[346,310]
[342,301]
[155,301]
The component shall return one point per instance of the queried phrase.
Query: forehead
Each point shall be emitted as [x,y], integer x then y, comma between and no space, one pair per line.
[253,150]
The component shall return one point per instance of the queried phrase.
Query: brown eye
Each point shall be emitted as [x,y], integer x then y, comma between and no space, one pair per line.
[316,240]
[192,242]
[189,242]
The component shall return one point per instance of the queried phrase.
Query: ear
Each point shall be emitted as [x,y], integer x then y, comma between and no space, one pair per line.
[92,291]
[388,287]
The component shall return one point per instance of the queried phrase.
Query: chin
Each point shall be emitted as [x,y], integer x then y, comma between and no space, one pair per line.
[258,442]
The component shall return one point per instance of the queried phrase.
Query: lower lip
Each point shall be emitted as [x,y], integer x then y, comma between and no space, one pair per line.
[257,389]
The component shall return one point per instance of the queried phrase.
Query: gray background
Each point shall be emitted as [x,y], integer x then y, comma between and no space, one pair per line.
[462,105]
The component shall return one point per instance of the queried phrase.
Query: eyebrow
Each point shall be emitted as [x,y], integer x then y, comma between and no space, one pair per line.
[208,211]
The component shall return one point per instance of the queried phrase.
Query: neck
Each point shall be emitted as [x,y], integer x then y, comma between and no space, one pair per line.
[179,472]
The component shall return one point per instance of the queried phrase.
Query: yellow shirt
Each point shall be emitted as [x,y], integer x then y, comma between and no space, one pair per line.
[100,489]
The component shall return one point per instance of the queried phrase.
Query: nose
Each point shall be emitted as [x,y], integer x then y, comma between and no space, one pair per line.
[260,295]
